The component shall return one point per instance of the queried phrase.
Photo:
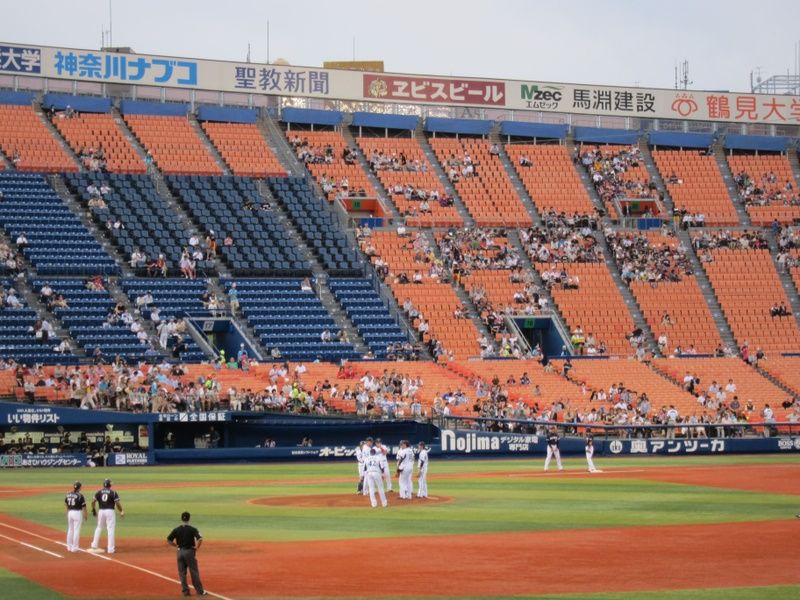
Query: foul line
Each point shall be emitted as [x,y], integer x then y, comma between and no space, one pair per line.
[31,546]
[102,556]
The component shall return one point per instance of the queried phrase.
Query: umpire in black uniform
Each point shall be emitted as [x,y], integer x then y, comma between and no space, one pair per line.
[188,541]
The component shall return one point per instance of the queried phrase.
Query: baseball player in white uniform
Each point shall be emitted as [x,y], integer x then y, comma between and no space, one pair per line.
[590,452]
[552,450]
[422,464]
[405,469]
[365,452]
[360,459]
[383,451]
[373,477]
[109,503]
[75,504]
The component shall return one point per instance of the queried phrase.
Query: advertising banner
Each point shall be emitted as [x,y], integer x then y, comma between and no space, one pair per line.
[355,86]
[23,461]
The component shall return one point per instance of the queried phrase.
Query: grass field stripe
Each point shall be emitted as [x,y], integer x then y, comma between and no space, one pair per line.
[21,543]
[103,556]
[574,472]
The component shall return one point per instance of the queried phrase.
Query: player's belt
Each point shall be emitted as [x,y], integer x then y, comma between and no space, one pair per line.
[74,509]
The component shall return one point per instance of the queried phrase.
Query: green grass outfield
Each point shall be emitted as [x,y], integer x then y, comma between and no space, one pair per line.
[492,502]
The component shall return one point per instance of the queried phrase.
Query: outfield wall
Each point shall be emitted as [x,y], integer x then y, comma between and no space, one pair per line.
[224,436]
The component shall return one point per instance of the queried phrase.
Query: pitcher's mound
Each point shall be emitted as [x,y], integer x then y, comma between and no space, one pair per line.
[344,501]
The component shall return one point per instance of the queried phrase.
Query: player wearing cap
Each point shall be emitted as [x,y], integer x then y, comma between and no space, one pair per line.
[552,450]
[75,504]
[360,459]
[590,451]
[405,468]
[108,501]
[383,453]
[422,474]
[373,477]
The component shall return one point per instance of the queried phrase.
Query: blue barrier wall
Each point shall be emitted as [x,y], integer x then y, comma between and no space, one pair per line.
[144,107]
[227,114]
[465,126]
[756,142]
[90,104]
[16,98]
[681,140]
[598,135]
[308,116]
[366,119]
[551,131]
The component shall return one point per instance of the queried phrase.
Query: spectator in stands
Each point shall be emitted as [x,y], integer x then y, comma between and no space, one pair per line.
[12,301]
[305,285]
[158,267]
[22,241]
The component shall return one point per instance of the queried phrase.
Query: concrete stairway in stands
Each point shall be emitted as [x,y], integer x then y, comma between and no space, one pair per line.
[85,215]
[22,285]
[190,226]
[723,327]
[462,294]
[588,185]
[128,134]
[422,140]
[277,141]
[383,194]
[783,274]
[119,296]
[317,270]
[37,108]
[627,295]
[216,288]
[527,265]
[340,316]
[212,149]
[655,176]
[791,391]
[794,163]
[519,187]
[730,184]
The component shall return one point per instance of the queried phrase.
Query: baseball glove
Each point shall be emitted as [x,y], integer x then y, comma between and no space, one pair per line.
[94,512]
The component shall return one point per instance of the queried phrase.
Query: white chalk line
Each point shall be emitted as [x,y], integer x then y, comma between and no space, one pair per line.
[31,546]
[104,557]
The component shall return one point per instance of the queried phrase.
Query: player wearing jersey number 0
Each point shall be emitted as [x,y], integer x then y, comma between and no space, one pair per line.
[75,505]
[405,468]
[108,501]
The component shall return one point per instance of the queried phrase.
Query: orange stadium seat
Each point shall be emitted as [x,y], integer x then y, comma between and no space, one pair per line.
[174,145]
[440,216]
[635,376]
[692,322]
[488,195]
[750,384]
[98,130]
[23,133]
[596,306]
[701,188]
[552,182]
[244,149]
[338,169]
[756,167]
[436,301]
[747,285]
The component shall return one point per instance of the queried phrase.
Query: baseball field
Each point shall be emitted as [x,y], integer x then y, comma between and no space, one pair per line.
[653,528]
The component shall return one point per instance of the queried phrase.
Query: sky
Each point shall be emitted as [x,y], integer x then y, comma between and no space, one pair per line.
[613,42]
